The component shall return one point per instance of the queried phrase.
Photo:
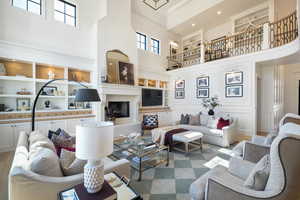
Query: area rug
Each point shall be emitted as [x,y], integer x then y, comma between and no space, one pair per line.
[173,182]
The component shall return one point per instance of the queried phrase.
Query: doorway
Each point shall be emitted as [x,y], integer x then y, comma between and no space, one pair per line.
[299,98]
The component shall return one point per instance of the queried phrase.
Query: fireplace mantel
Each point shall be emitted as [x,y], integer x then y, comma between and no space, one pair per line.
[118,89]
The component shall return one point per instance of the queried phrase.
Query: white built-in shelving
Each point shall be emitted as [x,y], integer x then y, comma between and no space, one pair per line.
[31,76]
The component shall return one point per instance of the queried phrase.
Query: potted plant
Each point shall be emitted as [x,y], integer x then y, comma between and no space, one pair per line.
[211,104]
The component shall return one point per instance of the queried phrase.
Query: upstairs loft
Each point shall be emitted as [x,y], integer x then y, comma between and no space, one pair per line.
[253,39]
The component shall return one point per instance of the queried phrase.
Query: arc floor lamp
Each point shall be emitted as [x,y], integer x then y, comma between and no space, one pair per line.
[84,94]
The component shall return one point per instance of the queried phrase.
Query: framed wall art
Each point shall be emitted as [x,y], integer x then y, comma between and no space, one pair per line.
[179,94]
[180,84]
[234,91]
[202,93]
[203,82]
[232,78]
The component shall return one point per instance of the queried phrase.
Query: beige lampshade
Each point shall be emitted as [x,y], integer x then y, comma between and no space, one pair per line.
[94,141]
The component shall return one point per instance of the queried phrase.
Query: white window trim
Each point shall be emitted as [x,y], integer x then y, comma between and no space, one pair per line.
[43,9]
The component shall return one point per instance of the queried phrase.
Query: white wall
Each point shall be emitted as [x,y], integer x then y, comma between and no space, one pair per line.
[218,31]
[43,32]
[150,65]
[241,108]
[291,85]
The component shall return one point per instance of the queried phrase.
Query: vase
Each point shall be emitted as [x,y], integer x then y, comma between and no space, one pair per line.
[211,112]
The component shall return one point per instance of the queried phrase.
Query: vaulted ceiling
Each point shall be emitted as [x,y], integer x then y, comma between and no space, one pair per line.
[179,15]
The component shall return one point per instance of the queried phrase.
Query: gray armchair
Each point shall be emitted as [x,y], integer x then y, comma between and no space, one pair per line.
[227,184]
[259,146]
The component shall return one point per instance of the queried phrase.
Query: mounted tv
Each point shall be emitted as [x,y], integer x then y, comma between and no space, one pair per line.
[151,97]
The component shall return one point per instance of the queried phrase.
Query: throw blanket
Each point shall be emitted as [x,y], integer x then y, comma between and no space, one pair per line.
[158,134]
[169,136]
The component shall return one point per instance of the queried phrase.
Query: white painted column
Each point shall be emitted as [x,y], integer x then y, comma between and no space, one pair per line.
[266,36]
[202,59]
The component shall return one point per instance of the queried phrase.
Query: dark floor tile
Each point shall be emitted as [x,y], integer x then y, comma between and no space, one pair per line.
[200,171]
[182,164]
[183,185]
[164,173]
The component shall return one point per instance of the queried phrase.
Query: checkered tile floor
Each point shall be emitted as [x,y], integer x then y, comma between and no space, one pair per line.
[173,182]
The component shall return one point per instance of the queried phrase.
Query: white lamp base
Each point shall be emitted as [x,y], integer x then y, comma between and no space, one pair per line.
[93,176]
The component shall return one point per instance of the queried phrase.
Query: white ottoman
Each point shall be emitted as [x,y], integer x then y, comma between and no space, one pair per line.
[192,141]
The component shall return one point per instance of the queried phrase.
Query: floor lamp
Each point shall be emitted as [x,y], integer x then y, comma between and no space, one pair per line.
[84,94]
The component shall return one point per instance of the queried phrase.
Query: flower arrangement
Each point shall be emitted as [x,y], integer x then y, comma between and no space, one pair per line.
[211,104]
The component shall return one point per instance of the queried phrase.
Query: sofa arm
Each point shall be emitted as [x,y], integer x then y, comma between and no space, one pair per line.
[121,167]
[229,133]
[218,188]
[240,168]
[254,152]
[26,185]
[257,139]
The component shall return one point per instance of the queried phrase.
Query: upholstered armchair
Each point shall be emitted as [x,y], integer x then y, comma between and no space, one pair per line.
[283,183]
[149,122]
[259,146]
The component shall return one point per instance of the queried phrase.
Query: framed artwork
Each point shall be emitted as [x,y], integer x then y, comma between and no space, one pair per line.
[23,104]
[203,81]
[179,94]
[234,91]
[49,91]
[180,84]
[126,73]
[232,78]
[202,93]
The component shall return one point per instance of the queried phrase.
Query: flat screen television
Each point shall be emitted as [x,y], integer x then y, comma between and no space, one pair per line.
[152,97]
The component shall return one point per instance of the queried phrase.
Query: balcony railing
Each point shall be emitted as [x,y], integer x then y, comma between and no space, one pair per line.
[269,35]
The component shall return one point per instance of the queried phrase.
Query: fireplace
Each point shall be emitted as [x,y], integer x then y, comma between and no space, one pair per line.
[119,109]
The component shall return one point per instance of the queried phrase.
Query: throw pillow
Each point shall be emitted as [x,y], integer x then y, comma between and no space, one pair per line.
[203,119]
[66,135]
[38,140]
[258,177]
[70,164]
[185,119]
[60,141]
[150,120]
[222,123]
[269,139]
[212,122]
[45,162]
[195,120]
[50,133]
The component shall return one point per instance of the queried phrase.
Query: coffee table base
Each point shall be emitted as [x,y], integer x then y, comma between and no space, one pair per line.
[189,146]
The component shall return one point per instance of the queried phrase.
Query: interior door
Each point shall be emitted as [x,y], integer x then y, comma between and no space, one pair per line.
[7,137]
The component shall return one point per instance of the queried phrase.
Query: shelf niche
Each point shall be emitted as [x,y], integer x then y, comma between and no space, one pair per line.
[42,71]
[17,68]
[79,75]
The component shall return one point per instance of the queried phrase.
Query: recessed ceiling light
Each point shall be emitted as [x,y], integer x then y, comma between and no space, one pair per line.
[193,25]
[219,12]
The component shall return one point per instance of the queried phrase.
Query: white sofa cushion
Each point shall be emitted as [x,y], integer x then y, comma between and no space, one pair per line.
[212,123]
[38,140]
[204,130]
[45,162]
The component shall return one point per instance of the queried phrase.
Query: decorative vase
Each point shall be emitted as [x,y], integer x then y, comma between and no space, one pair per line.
[211,112]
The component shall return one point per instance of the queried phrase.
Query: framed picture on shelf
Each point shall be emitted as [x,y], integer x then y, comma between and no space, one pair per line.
[180,84]
[49,91]
[179,94]
[203,81]
[23,104]
[232,78]
[126,73]
[234,91]
[202,93]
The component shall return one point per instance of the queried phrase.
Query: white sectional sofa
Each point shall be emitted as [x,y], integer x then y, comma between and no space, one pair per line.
[224,137]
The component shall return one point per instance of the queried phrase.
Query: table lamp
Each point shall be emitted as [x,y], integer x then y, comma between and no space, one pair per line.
[94,142]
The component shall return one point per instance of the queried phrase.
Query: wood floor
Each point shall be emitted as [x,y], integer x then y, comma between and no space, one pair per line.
[5,163]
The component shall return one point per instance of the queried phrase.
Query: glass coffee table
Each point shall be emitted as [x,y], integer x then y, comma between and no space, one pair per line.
[142,153]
